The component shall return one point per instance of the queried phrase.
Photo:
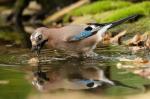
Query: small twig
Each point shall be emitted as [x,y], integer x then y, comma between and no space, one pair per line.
[64,11]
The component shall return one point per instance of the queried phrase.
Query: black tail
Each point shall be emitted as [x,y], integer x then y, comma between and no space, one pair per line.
[116,23]
[118,83]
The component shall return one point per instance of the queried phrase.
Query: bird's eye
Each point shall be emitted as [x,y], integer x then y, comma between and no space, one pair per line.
[88,28]
[39,37]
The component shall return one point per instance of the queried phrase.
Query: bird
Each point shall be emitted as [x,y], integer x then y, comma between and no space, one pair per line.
[89,77]
[79,39]
[72,77]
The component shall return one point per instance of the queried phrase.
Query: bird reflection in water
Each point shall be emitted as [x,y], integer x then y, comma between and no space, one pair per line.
[69,77]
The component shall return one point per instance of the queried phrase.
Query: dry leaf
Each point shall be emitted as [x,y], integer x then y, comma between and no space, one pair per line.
[136,48]
[136,60]
[117,39]
[108,39]
[33,61]
[135,40]
[143,72]
[140,42]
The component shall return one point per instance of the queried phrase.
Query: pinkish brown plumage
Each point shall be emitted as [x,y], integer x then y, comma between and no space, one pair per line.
[81,39]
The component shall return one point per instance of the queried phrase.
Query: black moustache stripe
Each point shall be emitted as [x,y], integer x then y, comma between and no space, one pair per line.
[41,44]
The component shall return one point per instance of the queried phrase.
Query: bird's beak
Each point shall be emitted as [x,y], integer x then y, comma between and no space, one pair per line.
[36,47]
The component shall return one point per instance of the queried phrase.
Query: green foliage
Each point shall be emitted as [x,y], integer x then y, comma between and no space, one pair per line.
[17,87]
[99,6]
[141,26]
[128,79]
[8,34]
[140,8]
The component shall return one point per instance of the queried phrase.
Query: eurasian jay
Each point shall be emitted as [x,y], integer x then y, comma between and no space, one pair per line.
[81,39]
[72,77]
[83,78]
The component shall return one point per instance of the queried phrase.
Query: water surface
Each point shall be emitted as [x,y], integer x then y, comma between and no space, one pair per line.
[61,76]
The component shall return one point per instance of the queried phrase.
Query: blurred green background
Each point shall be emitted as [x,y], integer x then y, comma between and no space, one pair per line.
[19,18]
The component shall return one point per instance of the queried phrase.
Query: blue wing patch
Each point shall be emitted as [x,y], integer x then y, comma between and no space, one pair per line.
[81,35]
[85,81]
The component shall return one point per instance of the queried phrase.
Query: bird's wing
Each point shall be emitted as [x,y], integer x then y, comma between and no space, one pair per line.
[92,28]
[87,32]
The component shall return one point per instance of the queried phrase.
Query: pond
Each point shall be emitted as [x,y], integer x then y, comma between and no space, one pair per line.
[58,76]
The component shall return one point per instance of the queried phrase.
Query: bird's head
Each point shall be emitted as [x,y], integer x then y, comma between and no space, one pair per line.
[38,39]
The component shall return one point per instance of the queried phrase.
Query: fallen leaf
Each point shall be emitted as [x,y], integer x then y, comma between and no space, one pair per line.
[33,61]
[117,39]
